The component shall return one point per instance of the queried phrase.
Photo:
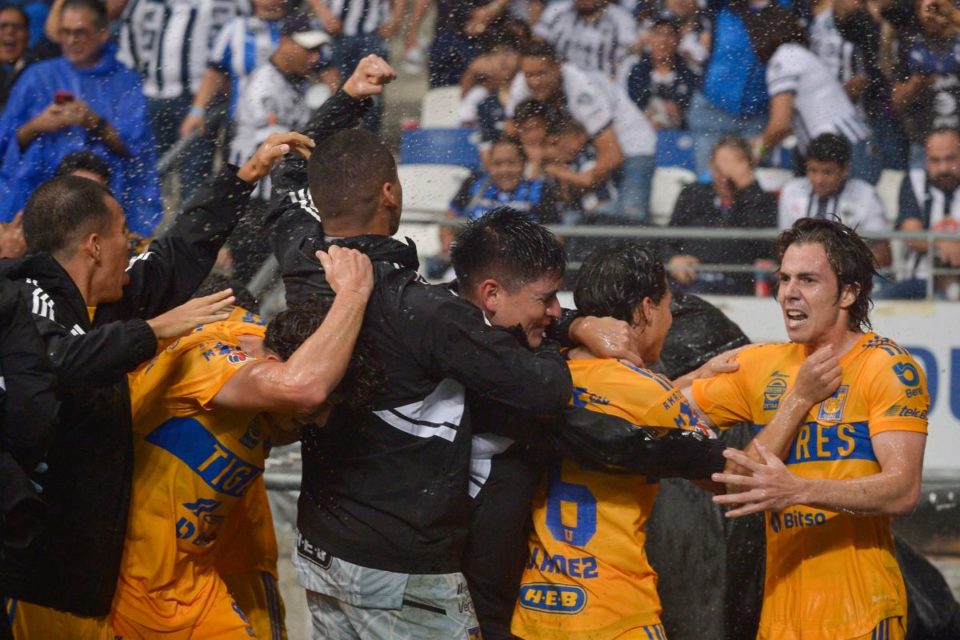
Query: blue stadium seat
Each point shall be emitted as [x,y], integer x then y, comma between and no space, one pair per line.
[440,146]
[674,149]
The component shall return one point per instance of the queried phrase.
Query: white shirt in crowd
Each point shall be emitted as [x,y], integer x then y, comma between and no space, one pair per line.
[591,45]
[820,104]
[360,16]
[596,103]
[842,57]
[857,205]
[269,102]
[168,41]
[941,217]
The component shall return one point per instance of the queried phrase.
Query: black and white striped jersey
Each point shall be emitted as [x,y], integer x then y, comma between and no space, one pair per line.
[856,205]
[820,105]
[169,41]
[842,57]
[591,45]
[360,16]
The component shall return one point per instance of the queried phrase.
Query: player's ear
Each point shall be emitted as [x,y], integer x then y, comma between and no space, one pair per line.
[489,295]
[641,312]
[848,295]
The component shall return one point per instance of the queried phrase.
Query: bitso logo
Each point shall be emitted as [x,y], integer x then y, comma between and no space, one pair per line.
[774,391]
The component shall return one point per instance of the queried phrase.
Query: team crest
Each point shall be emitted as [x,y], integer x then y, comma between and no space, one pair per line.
[831,409]
[774,391]
[237,357]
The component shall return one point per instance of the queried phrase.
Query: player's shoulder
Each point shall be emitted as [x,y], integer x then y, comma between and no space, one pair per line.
[881,348]
[756,355]
[612,371]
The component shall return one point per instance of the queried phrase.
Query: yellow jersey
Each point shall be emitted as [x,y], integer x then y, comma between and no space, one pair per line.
[587,575]
[829,575]
[192,465]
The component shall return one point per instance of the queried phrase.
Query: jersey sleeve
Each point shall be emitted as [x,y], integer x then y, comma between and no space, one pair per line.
[221,52]
[587,104]
[898,395]
[725,398]
[783,72]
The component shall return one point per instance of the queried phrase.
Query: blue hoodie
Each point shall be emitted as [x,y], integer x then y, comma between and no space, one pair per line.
[112,91]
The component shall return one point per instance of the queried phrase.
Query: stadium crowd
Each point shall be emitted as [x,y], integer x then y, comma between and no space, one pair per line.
[478,462]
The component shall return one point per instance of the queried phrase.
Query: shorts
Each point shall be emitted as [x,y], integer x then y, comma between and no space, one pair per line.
[34,622]
[435,607]
[889,629]
[349,601]
[258,596]
[216,616]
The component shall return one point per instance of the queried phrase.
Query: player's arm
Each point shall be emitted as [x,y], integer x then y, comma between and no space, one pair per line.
[893,491]
[304,382]
[779,125]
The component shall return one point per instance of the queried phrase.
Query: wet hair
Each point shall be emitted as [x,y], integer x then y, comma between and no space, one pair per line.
[98,7]
[540,49]
[614,280]
[850,258]
[829,147]
[62,210]
[511,142]
[84,161]
[735,141]
[779,26]
[218,282]
[19,11]
[346,172]
[565,125]
[364,377]
[506,245]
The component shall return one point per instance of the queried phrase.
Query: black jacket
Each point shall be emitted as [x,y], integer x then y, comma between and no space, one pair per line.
[28,412]
[73,565]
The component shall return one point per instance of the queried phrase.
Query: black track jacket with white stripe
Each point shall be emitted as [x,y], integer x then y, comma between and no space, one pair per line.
[73,565]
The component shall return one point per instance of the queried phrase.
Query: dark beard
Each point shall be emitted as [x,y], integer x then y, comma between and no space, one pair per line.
[945,183]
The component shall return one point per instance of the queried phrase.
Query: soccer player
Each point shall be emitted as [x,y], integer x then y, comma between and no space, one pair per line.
[587,575]
[855,462]
[199,447]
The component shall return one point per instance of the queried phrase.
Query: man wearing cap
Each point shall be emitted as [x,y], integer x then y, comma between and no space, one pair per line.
[273,97]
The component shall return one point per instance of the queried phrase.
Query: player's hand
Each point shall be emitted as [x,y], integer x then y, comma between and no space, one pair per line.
[269,153]
[681,268]
[347,270]
[726,362]
[12,242]
[183,319]
[607,338]
[770,487]
[819,376]
[369,78]
[192,124]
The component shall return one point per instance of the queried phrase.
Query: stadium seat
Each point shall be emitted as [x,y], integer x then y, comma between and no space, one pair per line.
[667,184]
[888,188]
[440,108]
[427,192]
[674,149]
[772,180]
[439,146]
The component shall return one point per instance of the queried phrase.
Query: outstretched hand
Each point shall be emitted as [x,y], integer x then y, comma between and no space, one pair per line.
[268,154]
[183,319]
[770,487]
[369,78]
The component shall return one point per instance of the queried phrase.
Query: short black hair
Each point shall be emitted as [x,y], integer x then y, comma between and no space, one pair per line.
[850,258]
[564,125]
[216,282]
[19,10]
[942,130]
[84,161]
[364,377]
[530,109]
[346,172]
[507,245]
[62,209]
[540,49]
[614,280]
[829,147]
[735,141]
[512,142]
[98,7]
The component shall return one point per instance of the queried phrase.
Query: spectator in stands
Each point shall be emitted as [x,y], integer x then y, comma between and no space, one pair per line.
[359,28]
[624,139]
[694,45]
[660,82]
[242,45]
[502,185]
[806,100]
[828,191]
[593,35]
[926,89]
[733,199]
[930,199]
[83,100]
[571,158]
[14,35]
[168,42]
[487,80]
[272,99]
[734,95]
[528,125]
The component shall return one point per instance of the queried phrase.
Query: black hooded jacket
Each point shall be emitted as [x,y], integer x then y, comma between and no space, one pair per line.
[73,565]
